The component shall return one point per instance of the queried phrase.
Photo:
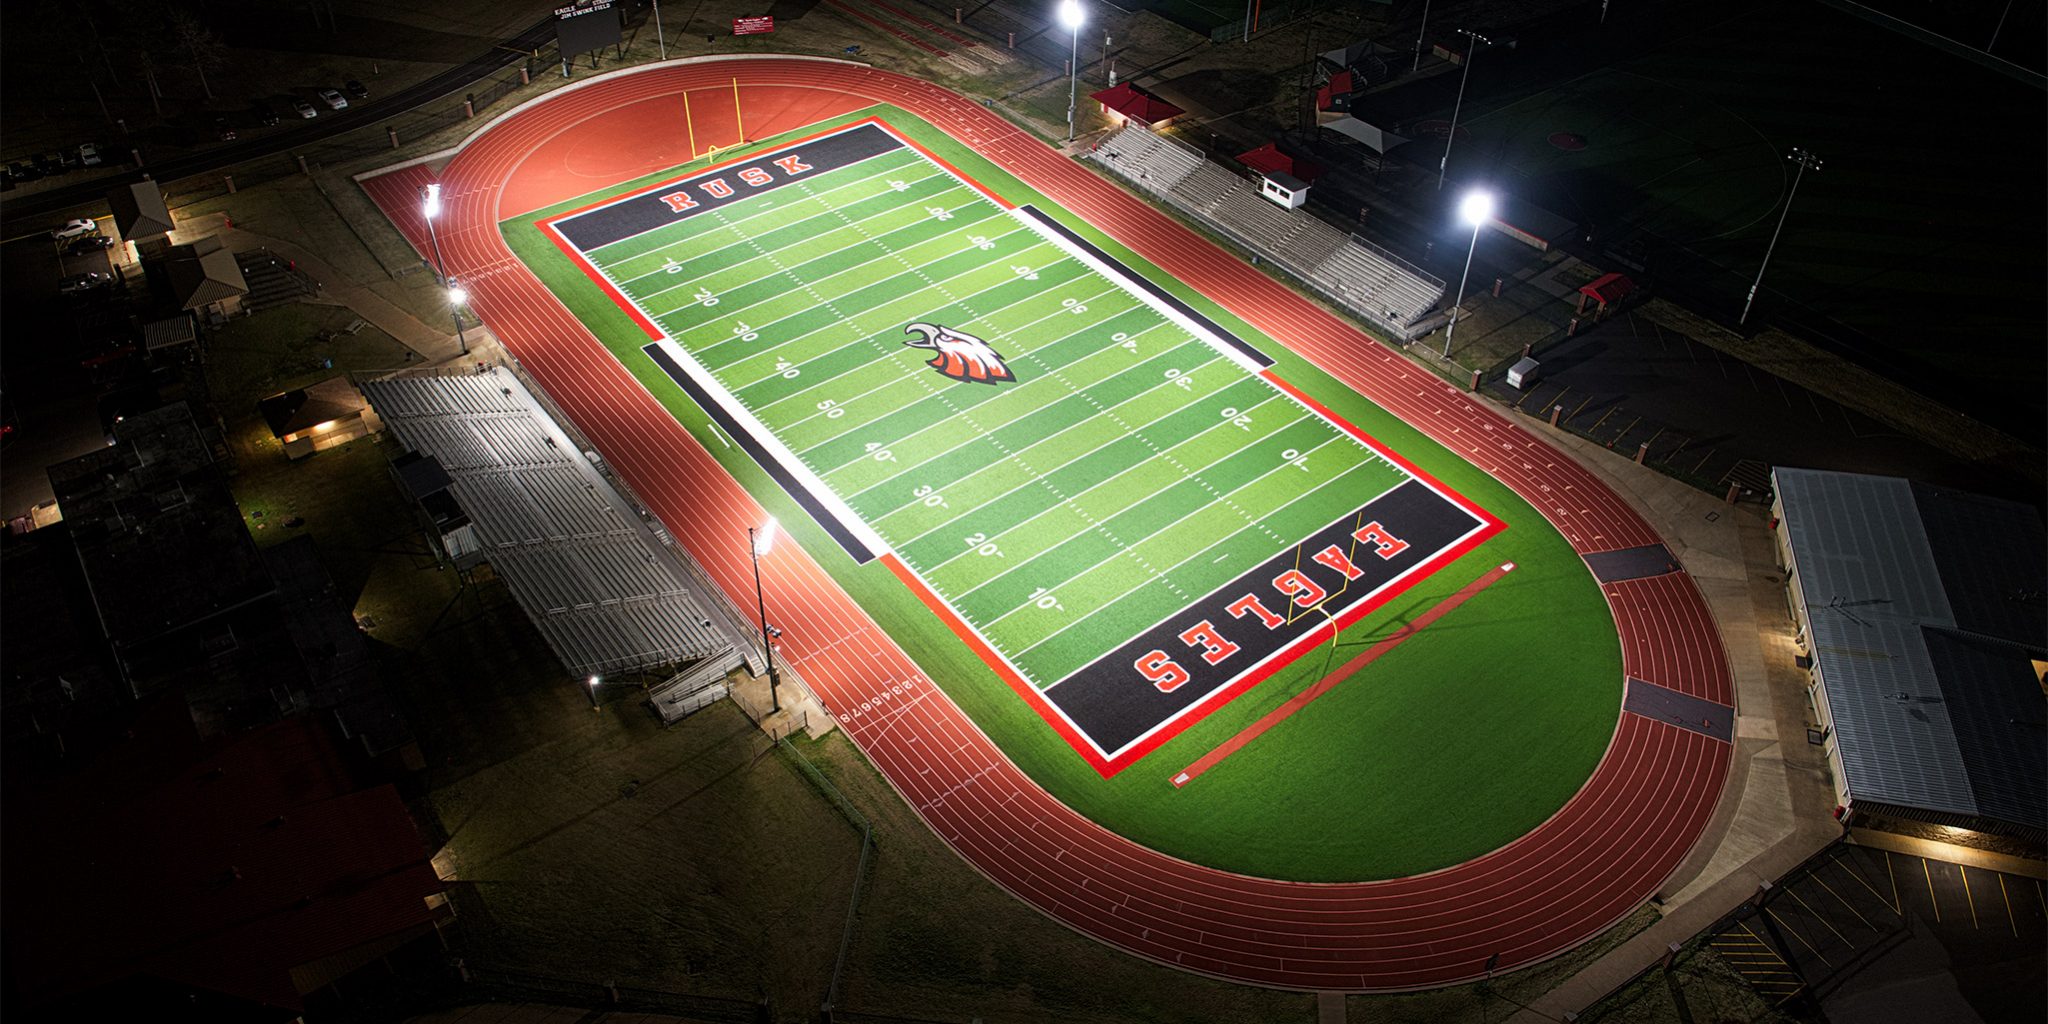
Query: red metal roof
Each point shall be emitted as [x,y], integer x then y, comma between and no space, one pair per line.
[221,872]
[1130,101]
[1268,158]
[1609,287]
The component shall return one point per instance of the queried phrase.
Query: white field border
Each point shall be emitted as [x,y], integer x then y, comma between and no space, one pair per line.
[1120,277]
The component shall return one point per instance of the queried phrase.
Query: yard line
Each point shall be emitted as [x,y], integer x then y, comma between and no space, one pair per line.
[783,271]
[846,319]
[1078,495]
[992,339]
[735,225]
[1169,569]
[658,248]
[1013,457]
[919,222]
[1027,412]
[1012,391]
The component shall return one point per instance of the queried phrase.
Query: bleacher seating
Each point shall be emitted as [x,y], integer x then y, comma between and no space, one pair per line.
[603,592]
[1357,276]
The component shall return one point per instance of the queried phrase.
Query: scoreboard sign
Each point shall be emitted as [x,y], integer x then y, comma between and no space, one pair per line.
[586,25]
[753,26]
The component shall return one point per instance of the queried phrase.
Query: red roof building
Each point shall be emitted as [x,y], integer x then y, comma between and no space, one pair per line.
[1605,291]
[1268,159]
[1134,104]
[247,872]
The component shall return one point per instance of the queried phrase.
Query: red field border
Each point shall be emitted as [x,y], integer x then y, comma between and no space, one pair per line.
[1592,863]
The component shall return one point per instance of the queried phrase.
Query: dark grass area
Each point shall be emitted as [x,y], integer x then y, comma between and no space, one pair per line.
[1914,250]
[1438,755]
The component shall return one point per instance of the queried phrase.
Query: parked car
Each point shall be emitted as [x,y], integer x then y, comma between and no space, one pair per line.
[88,243]
[263,114]
[21,170]
[79,284]
[66,159]
[47,163]
[89,154]
[333,99]
[356,89]
[223,130]
[304,109]
[76,227]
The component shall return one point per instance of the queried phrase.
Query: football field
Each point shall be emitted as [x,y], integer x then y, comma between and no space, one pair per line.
[1107,495]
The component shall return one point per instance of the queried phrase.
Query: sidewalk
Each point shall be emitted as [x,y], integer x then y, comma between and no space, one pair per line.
[1775,810]
[429,344]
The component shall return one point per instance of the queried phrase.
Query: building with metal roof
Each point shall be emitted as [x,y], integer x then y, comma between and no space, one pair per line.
[1923,617]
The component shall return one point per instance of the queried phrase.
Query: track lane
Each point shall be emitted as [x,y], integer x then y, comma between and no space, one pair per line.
[1593,862]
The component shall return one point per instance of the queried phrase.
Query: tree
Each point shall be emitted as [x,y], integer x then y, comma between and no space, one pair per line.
[203,50]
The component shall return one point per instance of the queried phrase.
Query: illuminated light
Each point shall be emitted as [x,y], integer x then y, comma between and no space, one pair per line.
[1070,14]
[764,538]
[432,207]
[1476,208]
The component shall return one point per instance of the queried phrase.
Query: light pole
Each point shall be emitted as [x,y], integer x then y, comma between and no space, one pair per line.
[1807,162]
[1421,36]
[591,689]
[658,40]
[430,207]
[1070,16]
[457,295]
[1452,136]
[1476,209]
[758,543]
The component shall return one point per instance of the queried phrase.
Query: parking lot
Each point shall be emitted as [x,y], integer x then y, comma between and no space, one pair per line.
[1872,935]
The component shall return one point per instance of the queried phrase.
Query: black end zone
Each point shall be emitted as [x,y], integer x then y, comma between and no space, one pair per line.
[1152,289]
[1112,702]
[753,447]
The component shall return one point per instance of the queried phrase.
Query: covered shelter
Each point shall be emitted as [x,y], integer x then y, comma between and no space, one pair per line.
[1284,180]
[1605,292]
[318,417]
[1920,612]
[204,277]
[1130,103]
[139,211]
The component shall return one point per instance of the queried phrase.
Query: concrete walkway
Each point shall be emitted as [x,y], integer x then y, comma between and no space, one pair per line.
[1776,809]
[428,344]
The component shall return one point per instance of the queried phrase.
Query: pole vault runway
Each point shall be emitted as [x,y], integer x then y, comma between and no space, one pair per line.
[1591,864]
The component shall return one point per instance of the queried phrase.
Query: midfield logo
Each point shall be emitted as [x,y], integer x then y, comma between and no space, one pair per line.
[960,356]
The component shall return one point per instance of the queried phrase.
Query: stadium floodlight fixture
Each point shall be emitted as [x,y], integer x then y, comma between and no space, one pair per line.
[592,690]
[430,200]
[764,538]
[1475,209]
[1071,17]
[1443,166]
[457,294]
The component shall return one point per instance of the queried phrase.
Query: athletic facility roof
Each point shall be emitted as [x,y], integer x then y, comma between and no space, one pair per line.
[1268,159]
[1133,103]
[1924,613]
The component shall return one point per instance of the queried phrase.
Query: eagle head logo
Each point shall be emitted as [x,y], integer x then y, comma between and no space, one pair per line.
[959,356]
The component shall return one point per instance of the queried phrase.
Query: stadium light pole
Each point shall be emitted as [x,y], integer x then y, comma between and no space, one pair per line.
[658,40]
[1472,51]
[1421,35]
[1475,209]
[457,295]
[430,208]
[758,543]
[591,689]
[1807,162]
[1071,17]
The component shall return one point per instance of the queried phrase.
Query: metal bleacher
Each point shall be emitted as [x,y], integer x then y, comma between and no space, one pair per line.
[1350,271]
[603,591]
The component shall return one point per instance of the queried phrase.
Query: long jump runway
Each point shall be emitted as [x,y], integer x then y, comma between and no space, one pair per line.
[1589,865]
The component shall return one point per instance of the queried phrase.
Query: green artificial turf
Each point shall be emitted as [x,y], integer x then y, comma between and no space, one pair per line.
[1455,743]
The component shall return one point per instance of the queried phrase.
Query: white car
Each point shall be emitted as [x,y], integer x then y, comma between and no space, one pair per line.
[89,154]
[74,228]
[333,99]
[304,109]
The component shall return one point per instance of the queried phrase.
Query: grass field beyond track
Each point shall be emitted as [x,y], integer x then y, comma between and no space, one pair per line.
[1132,465]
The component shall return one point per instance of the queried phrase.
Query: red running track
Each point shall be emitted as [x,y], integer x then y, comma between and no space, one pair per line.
[1592,863]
